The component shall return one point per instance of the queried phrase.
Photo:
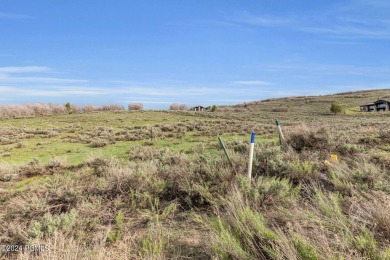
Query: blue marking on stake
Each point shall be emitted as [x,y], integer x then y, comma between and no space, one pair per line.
[253,137]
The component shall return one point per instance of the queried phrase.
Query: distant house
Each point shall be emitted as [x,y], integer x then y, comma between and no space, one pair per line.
[382,105]
[198,108]
[379,105]
[367,107]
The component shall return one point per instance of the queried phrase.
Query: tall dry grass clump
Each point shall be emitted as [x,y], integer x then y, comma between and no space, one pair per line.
[302,138]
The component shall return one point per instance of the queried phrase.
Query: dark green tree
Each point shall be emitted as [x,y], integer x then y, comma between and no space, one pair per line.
[68,106]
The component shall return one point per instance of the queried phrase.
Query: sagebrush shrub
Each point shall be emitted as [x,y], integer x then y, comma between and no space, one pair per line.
[384,135]
[51,223]
[99,143]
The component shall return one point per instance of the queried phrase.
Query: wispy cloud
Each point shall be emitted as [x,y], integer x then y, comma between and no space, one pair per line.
[252,82]
[93,91]
[355,19]
[337,88]
[329,69]
[51,92]
[35,81]
[6,79]
[350,31]
[260,20]
[165,91]
[6,15]
[7,75]
[230,100]
[153,94]
[154,82]
[23,69]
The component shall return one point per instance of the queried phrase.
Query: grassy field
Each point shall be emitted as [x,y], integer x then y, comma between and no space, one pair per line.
[156,184]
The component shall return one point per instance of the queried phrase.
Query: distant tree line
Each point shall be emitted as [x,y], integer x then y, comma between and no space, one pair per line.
[135,106]
[175,106]
[30,110]
[42,109]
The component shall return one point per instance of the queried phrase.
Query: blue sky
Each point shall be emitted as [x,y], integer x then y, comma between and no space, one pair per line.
[191,51]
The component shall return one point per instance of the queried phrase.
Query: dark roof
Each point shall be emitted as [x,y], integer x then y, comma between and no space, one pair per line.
[382,100]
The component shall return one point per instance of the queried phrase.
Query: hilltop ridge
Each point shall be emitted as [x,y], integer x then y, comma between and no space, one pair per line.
[349,100]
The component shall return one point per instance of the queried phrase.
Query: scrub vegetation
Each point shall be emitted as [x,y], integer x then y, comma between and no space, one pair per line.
[156,184]
[39,109]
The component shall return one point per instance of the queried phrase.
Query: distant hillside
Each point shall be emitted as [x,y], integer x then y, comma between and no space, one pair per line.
[349,100]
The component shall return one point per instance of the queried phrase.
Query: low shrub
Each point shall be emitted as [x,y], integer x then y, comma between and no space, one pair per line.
[305,249]
[145,153]
[269,191]
[52,223]
[57,162]
[302,170]
[8,172]
[280,109]
[100,165]
[384,135]
[99,143]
